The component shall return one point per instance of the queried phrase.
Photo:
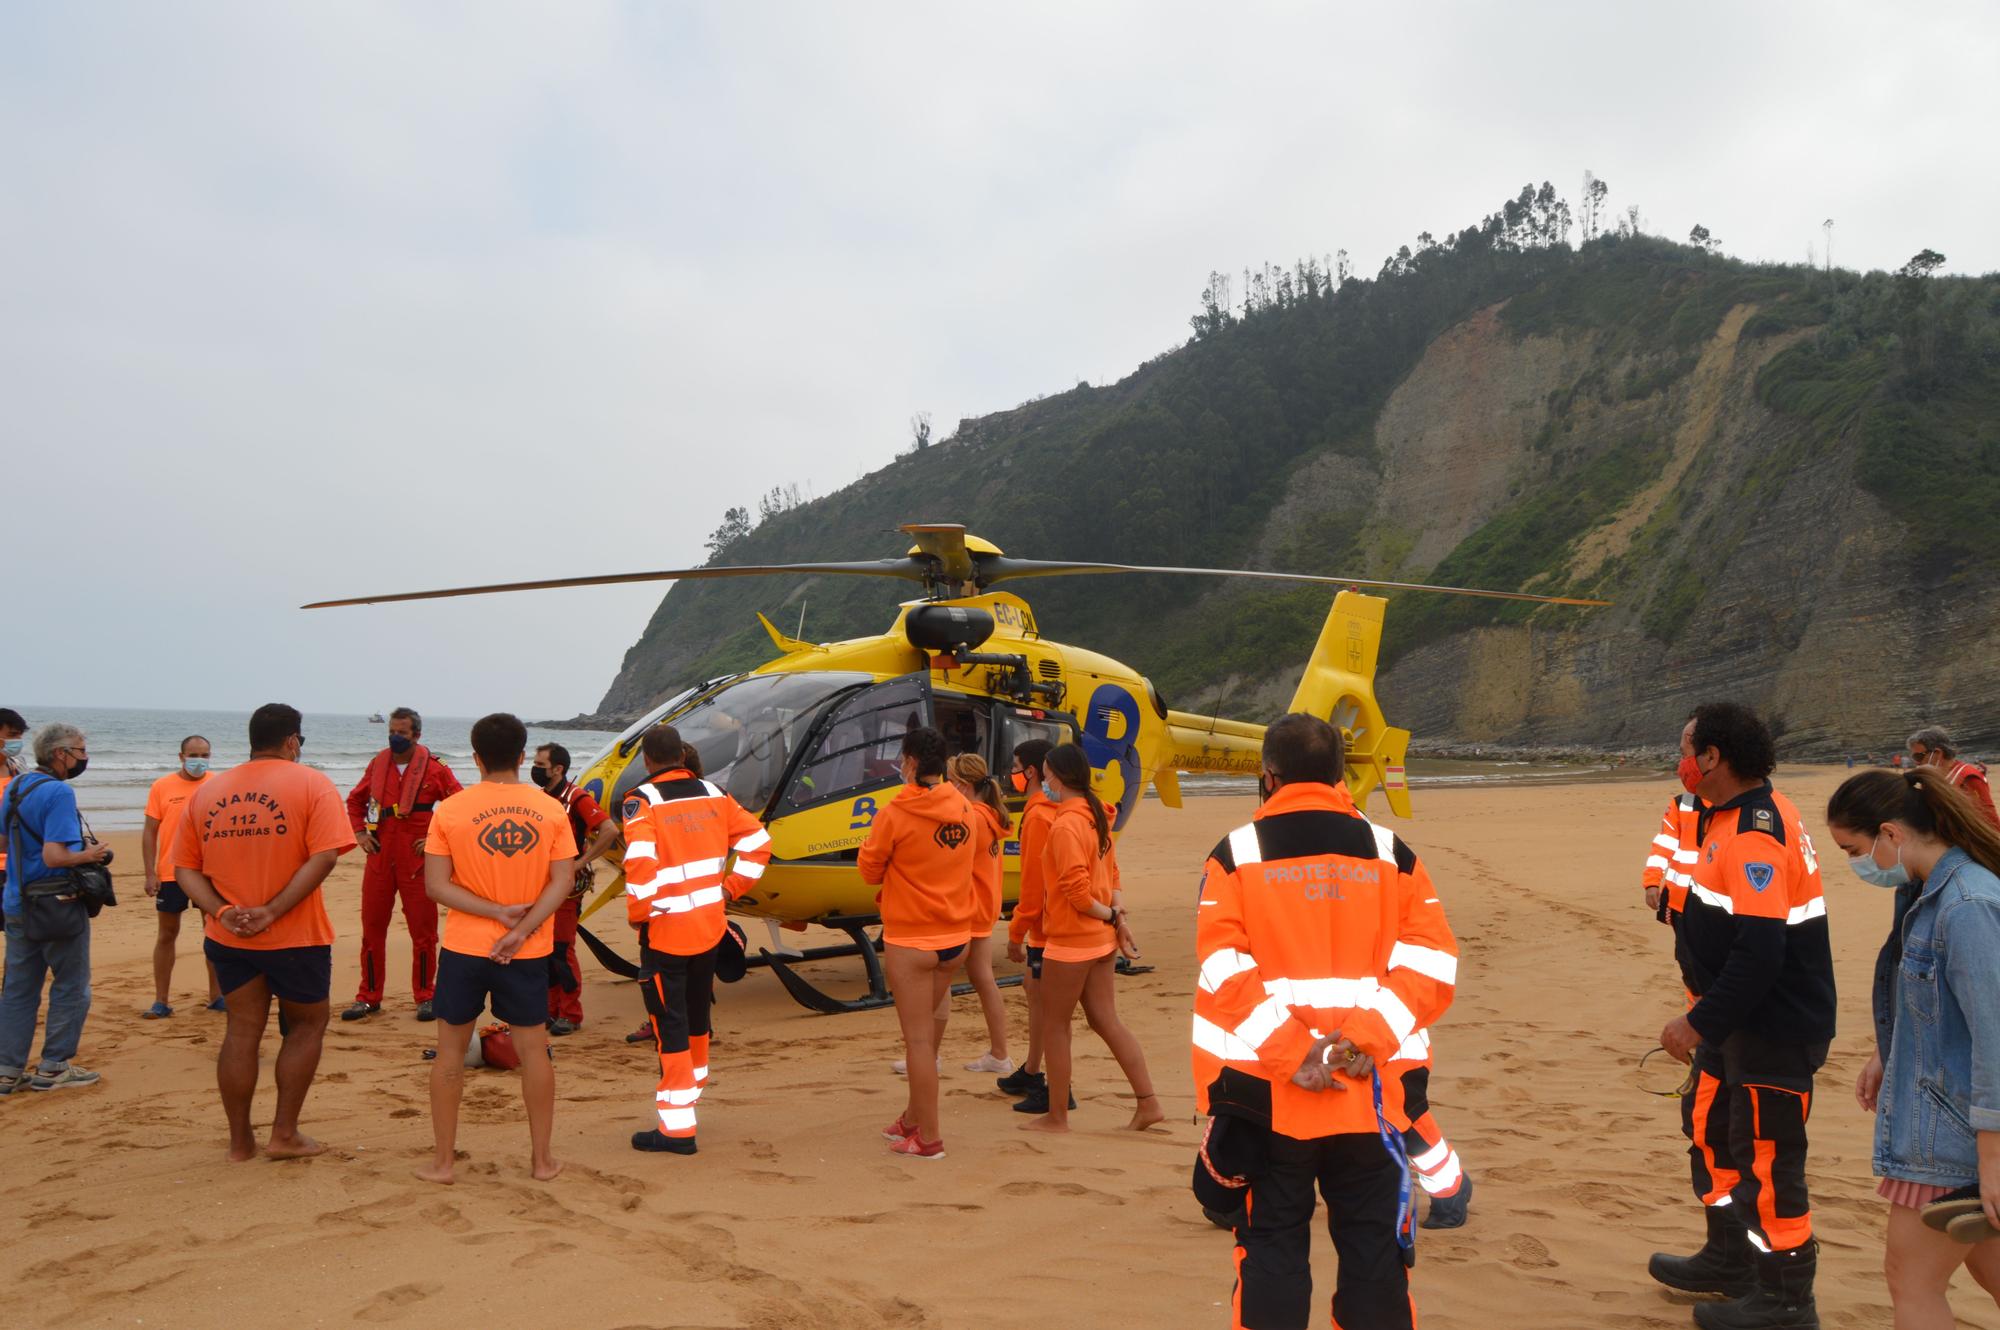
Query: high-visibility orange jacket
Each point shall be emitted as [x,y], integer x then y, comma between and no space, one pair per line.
[1026,925]
[989,842]
[679,834]
[1074,875]
[1753,943]
[1670,858]
[1312,920]
[919,851]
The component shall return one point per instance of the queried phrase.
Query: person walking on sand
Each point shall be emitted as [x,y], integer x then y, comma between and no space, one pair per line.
[1932,747]
[164,804]
[1936,1096]
[989,824]
[1024,930]
[689,847]
[501,857]
[1086,930]
[1322,949]
[920,852]
[252,853]
[390,811]
[1755,951]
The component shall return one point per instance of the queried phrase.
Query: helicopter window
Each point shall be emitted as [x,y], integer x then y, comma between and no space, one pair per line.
[862,746]
[1018,727]
[747,732]
[967,724]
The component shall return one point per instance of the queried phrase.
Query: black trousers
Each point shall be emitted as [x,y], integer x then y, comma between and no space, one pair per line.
[1361,1183]
[1746,1128]
[678,990]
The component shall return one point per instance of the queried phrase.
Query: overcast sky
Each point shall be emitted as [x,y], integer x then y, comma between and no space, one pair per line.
[310,300]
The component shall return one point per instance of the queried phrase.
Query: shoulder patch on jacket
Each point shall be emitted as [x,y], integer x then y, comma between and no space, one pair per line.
[1761,816]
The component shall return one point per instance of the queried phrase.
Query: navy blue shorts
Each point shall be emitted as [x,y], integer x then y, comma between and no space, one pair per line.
[519,990]
[1035,961]
[296,974]
[171,900]
[949,954]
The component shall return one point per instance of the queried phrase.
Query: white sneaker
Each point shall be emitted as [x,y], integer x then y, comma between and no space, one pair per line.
[987,1062]
[902,1067]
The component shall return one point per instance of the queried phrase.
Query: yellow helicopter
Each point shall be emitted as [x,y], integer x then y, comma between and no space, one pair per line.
[811,740]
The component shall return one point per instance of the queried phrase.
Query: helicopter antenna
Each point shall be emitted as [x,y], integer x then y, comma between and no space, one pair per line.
[801,634]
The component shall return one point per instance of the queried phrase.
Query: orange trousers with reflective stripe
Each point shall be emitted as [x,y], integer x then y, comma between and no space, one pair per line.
[1746,1126]
[678,989]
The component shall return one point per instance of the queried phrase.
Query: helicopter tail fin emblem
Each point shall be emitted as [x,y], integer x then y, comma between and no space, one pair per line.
[1339,686]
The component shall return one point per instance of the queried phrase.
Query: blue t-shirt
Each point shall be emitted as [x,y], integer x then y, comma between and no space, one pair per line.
[44,813]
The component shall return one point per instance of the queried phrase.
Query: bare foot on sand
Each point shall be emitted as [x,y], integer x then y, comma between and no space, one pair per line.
[439,1173]
[1046,1124]
[296,1146]
[242,1154]
[548,1171]
[1147,1113]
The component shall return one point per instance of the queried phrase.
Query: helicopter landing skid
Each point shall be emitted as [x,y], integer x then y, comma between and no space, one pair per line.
[868,949]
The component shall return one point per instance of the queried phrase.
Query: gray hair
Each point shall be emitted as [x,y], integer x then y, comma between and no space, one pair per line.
[53,736]
[1933,737]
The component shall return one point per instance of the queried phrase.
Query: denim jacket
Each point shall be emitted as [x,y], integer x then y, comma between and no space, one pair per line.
[1941,1078]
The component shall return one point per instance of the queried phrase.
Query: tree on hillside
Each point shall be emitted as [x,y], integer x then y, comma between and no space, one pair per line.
[920,431]
[1594,190]
[1215,307]
[1922,264]
[1700,238]
[735,526]
[781,499]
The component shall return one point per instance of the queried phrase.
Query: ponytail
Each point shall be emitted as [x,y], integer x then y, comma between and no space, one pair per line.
[1923,800]
[1067,763]
[971,768]
[691,759]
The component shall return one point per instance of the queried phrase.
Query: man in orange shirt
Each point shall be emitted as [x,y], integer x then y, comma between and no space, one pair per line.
[164,803]
[390,811]
[501,857]
[252,852]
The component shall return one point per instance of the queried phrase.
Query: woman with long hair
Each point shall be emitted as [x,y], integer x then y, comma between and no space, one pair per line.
[1937,1105]
[990,824]
[919,851]
[1085,930]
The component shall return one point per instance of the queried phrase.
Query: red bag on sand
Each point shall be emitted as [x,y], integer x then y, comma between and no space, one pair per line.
[496,1044]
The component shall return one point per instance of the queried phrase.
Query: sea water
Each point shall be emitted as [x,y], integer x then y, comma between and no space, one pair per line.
[130,749]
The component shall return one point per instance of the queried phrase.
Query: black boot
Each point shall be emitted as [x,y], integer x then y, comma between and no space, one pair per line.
[1723,1265]
[1782,1300]
[1450,1211]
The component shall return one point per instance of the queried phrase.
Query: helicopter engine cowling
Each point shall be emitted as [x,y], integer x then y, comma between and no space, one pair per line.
[945,629]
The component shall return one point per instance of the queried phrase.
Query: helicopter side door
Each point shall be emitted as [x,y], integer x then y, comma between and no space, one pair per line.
[856,754]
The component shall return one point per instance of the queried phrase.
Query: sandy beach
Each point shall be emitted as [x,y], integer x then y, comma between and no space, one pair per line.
[123,1211]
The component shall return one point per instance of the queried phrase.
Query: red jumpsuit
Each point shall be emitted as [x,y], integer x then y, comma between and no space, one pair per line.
[565,970]
[397,869]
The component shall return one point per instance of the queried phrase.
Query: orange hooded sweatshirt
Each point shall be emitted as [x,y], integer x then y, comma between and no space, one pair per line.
[989,839]
[1076,875]
[920,852]
[1026,925]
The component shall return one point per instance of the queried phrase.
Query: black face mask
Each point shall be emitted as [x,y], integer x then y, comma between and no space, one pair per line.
[401,743]
[76,770]
[541,776]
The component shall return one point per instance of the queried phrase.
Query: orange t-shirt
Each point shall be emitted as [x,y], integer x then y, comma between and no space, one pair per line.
[501,838]
[163,805]
[250,830]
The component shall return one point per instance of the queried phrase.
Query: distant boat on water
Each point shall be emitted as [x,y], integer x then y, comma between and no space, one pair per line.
[375,719]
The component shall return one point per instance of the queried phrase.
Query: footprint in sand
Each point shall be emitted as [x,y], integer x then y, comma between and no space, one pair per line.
[393,1304]
[446,1218]
[1527,1253]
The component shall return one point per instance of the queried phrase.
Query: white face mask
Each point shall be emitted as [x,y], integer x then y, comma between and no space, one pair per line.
[196,767]
[1874,874]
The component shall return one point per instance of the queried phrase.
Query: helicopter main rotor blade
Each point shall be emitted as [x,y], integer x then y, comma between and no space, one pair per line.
[911,569]
[945,542]
[1003,569]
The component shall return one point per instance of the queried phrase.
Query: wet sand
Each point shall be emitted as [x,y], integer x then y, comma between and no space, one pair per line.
[122,1211]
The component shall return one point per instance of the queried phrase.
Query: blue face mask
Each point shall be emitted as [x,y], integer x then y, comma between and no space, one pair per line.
[196,767]
[401,743]
[1874,874]
[1051,793]
[12,748]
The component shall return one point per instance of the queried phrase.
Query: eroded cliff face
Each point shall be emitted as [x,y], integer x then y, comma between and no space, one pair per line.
[1748,567]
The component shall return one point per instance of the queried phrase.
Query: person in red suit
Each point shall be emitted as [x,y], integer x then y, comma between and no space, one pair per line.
[596,834]
[390,810]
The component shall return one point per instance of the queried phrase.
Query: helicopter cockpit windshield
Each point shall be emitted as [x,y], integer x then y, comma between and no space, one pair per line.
[748,731]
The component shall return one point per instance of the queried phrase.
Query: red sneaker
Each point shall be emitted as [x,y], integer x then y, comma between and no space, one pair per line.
[899,1130]
[913,1148]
